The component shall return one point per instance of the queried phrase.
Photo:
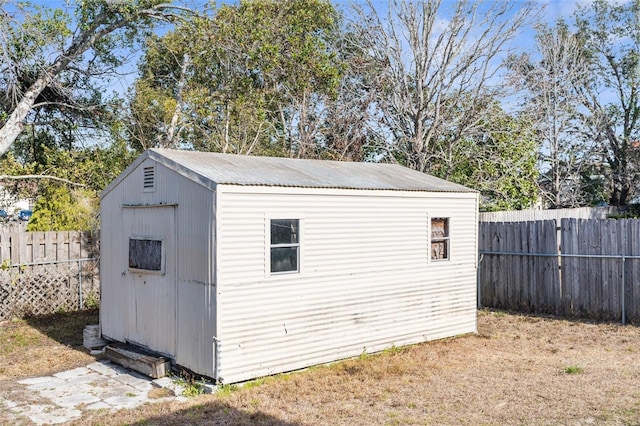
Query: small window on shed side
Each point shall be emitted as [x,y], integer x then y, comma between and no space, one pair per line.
[439,238]
[146,254]
[285,245]
[149,179]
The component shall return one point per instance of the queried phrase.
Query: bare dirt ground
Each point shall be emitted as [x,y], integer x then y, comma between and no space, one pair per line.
[518,370]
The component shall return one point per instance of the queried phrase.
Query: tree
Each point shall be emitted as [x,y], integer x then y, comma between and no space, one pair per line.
[43,53]
[252,78]
[59,208]
[65,183]
[499,159]
[346,130]
[156,102]
[552,104]
[431,69]
[610,33]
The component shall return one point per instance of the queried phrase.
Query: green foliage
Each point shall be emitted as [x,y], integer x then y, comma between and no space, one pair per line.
[192,386]
[610,35]
[20,188]
[245,80]
[59,209]
[92,301]
[226,390]
[257,382]
[59,206]
[6,264]
[192,389]
[592,189]
[499,161]
[93,167]
[364,354]
[65,58]
[394,350]
[573,369]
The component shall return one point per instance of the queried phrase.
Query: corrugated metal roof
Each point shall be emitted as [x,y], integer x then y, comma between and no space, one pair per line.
[287,172]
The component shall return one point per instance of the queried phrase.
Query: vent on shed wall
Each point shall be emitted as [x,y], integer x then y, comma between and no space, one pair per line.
[149,180]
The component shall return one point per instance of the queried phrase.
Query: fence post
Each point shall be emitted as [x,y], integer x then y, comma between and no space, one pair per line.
[622,288]
[479,280]
[80,301]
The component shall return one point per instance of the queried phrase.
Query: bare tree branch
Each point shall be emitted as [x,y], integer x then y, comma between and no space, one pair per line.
[105,22]
[433,73]
[49,177]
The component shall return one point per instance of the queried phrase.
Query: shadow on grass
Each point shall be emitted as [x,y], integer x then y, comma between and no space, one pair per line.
[559,317]
[215,413]
[65,328]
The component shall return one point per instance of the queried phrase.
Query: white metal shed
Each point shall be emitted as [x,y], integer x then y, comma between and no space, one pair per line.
[239,267]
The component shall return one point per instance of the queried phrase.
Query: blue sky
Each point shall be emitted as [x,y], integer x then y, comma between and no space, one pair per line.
[551,11]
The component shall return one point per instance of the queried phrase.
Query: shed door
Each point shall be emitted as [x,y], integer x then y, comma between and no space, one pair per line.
[151,272]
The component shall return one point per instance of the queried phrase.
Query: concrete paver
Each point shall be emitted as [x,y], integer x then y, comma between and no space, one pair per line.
[135,382]
[70,374]
[64,396]
[50,414]
[105,369]
[49,382]
[85,378]
[77,399]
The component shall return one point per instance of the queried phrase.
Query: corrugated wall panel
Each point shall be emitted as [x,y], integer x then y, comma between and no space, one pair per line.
[194,292]
[366,282]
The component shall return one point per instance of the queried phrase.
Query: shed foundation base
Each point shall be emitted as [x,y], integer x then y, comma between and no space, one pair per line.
[133,358]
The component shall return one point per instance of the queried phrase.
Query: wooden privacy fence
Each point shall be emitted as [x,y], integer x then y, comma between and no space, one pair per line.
[46,272]
[553,214]
[586,267]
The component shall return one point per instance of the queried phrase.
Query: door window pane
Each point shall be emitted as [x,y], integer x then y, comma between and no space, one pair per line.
[145,254]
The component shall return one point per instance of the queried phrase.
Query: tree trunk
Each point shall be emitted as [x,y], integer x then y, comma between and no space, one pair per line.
[80,44]
[172,131]
[15,123]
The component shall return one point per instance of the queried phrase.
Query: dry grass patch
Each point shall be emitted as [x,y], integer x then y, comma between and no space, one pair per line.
[157,393]
[511,372]
[514,371]
[43,345]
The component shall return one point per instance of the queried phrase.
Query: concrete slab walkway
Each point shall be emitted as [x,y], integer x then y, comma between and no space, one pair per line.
[102,385]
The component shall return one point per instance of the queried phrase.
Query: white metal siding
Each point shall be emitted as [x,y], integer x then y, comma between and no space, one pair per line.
[366,282]
[152,308]
[195,293]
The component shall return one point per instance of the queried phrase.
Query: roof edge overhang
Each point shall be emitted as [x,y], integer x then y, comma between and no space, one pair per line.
[156,156]
[352,188]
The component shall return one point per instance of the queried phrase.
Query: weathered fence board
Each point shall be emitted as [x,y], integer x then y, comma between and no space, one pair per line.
[44,272]
[586,275]
[632,269]
[37,247]
[553,214]
[519,282]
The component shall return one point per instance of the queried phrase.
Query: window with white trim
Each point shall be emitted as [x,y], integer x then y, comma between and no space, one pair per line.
[146,254]
[285,245]
[439,238]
